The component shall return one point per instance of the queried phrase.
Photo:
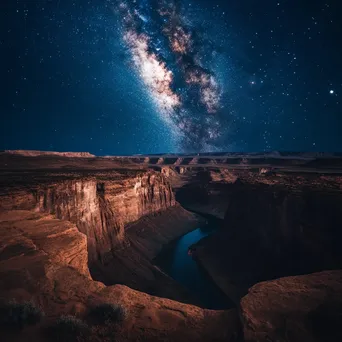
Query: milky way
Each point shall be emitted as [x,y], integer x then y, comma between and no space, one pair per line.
[155,76]
[167,54]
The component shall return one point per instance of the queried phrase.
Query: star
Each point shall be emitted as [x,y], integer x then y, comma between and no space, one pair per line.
[331,92]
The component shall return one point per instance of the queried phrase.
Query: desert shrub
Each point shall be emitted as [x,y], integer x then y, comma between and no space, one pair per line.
[68,328]
[108,313]
[15,315]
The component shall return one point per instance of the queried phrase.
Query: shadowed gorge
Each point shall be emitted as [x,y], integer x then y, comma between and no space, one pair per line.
[286,227]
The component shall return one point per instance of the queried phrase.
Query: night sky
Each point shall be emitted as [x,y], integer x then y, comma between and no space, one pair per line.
[147,76]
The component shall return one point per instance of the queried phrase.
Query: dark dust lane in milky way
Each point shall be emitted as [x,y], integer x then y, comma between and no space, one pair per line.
[175,62]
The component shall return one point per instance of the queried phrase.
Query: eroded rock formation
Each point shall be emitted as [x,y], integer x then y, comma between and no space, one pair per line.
[44,260]
[104,205]
[274,225]
[99,204]
[302,308]
[133,261]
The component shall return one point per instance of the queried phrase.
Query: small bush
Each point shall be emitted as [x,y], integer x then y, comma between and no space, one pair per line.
[68,328]
[15,315]
[108,313]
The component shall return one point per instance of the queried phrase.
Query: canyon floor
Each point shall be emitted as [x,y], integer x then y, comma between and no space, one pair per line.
[78,231]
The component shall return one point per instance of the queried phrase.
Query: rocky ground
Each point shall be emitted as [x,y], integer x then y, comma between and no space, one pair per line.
[44,260]
[301,308]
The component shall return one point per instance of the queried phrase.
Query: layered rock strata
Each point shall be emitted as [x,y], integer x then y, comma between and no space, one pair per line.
[101,205]
[104,206]
[44,260]
[274,225]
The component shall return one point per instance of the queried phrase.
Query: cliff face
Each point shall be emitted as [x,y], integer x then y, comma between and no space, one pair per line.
[78,201]
[44,260]
[298,231]
[127,216]
[274,225]
[132,264]
[100,205]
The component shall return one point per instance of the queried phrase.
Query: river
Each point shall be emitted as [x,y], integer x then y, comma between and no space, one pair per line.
[175,261]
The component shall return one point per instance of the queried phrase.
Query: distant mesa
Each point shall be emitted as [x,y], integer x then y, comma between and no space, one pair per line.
[197,158]
[33,153]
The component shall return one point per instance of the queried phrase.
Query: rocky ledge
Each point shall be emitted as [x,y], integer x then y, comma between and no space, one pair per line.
[44,260]
[302,308]
[126,216]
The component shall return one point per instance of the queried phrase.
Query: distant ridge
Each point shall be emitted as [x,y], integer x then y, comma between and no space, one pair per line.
[33,153]
[214,155]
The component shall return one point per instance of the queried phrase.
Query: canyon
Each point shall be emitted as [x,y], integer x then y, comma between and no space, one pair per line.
[77,229]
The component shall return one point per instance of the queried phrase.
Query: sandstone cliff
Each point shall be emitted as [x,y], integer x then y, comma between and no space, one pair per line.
[274,225]
[44,260]
[99,204]
[106,207]
[132,264]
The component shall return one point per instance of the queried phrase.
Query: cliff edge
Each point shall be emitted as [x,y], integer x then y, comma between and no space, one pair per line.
[44,260]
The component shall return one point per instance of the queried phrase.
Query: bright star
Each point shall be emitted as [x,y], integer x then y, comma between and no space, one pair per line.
[331,92]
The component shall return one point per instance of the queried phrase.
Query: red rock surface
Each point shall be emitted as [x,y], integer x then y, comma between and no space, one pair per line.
[103,205]
[44,260]
[100,204]
[297,309]
[132,264]
[32,233]
[32,153]
[37,250]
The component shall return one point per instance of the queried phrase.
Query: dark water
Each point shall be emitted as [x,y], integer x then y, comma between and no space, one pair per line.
[176,262]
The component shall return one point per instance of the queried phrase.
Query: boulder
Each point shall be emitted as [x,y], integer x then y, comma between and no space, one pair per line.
[297,309]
